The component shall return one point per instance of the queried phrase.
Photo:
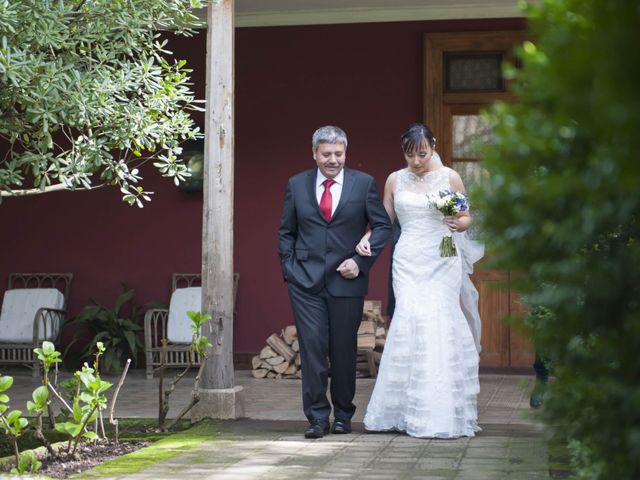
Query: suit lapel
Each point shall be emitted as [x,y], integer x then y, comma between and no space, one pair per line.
[311,191]
[347,187]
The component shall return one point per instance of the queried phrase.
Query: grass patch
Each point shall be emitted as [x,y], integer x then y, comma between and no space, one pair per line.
[162,450]
[130,430]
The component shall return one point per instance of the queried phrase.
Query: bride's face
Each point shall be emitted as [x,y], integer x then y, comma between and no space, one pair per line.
[419,159]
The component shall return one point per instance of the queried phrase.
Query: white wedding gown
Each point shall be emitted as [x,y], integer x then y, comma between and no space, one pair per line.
[428,378]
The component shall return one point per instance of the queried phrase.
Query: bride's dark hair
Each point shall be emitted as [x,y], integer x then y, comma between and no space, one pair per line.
[414,136]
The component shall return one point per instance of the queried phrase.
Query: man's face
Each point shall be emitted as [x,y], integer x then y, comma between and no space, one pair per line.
[330,158]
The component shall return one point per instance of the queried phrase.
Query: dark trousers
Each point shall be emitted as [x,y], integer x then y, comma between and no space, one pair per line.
[327,327]
[541,369]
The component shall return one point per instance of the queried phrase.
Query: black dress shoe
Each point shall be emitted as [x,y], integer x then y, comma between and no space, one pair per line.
[537,396]
[536,400]
[340,426]
[316,430]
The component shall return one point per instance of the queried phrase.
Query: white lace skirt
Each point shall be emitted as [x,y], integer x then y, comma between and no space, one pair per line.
[427,383]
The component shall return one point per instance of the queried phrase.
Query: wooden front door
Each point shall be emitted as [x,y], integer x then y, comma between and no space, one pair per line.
[463,76]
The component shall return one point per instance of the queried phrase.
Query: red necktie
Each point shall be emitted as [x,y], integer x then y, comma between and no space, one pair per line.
[326,201]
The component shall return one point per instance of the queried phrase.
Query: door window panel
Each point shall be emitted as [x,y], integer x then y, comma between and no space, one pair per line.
[468,131]
[473,72]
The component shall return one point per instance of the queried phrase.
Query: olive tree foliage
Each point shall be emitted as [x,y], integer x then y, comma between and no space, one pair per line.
[88,94]
[562,208]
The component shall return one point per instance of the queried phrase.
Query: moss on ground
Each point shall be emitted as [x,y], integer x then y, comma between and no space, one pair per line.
[560,466]
[129,429]
[162,450]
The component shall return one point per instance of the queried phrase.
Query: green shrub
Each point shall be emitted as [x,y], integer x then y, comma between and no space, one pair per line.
[89,93]
[562,206]
[116,328]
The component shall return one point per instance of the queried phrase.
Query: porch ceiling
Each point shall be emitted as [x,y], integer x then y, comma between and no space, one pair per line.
[260,13]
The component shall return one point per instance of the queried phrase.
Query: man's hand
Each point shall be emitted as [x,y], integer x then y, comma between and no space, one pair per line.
[348,269]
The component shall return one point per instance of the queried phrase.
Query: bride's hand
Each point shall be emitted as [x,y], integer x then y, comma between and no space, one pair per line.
[451,223]
[363,248]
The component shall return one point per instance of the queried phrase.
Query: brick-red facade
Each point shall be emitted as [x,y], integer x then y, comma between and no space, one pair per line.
[366,78]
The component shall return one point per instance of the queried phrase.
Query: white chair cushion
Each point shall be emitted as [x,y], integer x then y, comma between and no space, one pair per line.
[19,307]
[179,323]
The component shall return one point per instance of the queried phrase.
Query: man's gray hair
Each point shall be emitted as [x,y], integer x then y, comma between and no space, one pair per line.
[328,134]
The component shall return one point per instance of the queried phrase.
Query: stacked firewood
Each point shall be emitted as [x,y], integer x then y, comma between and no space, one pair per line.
[280,358]
[371,337]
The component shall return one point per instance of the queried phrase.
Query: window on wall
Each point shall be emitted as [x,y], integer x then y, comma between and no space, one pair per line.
[466,72]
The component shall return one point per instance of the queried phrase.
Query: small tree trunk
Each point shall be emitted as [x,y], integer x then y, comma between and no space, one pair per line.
[15,450]
[195,397]
[52,418]
[169,391]
[42,439]
[77,439]
[114,422]
[163,359]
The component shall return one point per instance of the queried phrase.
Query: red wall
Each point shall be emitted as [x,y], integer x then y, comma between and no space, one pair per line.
[365,78]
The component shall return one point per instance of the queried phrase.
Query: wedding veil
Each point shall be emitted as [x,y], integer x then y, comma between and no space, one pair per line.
[470,251]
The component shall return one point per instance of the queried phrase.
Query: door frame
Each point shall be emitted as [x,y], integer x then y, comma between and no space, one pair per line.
[436,99]
[502,347]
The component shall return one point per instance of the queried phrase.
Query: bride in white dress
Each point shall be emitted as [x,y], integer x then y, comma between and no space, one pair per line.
[428,378]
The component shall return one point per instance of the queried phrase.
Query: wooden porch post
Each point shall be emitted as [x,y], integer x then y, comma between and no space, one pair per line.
[219,397]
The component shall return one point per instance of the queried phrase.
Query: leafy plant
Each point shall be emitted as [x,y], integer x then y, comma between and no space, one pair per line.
[5,384]
[200,343]
[40,401]
[13,423]
[85,408]
[88,94]
[69,388]
[116,328]
[562,206]
[38,408]
[48,357]
[28,463]
[88,403]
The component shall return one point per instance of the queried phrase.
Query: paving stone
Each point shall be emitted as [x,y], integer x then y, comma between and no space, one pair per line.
[486,452]
[437,463]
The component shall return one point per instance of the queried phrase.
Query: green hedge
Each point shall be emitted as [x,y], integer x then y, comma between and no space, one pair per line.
[562,205]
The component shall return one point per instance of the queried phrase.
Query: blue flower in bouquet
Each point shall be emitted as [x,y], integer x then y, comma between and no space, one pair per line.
[449,203]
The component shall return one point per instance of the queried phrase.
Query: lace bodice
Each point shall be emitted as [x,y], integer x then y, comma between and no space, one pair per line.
[411,202]
[430,182]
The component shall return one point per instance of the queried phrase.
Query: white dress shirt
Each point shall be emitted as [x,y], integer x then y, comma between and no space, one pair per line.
[336,188]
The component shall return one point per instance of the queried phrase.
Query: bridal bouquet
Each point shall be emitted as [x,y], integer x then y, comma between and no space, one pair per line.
[449,203]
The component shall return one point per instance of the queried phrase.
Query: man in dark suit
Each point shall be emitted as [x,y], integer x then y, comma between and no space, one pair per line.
[326,212]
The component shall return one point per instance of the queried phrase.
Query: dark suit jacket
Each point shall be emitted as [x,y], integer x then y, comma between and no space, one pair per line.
[311,248]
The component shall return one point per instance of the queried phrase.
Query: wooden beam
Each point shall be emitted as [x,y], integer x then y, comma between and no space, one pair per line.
[217,225]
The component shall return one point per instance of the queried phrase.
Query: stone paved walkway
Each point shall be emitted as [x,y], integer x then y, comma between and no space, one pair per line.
[269,443]
[253,449]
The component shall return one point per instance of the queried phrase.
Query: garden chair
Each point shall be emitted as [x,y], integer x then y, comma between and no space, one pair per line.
[174,324]
[33,310]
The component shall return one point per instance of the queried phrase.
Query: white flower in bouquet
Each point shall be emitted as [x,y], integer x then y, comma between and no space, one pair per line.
[449,203]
